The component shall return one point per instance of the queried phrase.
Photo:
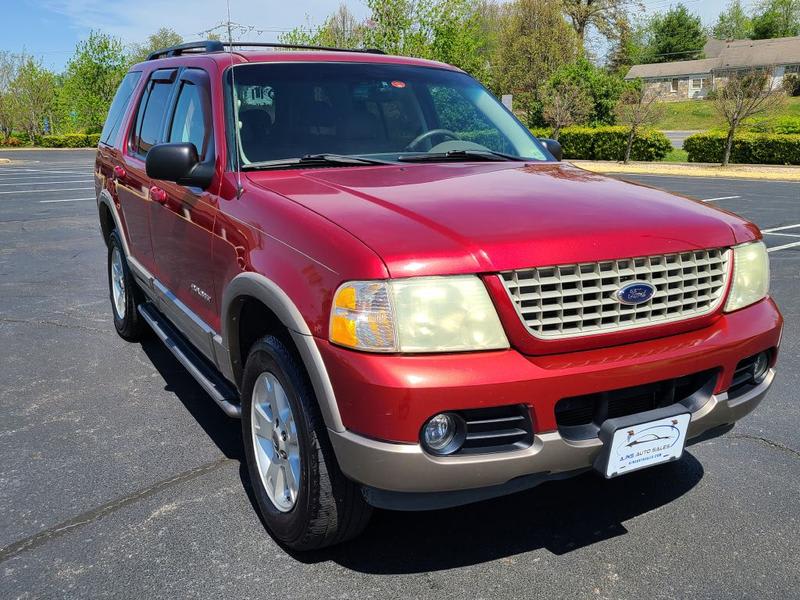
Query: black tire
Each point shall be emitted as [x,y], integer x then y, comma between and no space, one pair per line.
[129,326]
[329,508]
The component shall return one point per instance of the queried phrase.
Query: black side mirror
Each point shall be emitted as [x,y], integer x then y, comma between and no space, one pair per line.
[553,147]
[178,163]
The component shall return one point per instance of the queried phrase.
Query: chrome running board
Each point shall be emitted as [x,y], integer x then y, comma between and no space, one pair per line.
[212,382]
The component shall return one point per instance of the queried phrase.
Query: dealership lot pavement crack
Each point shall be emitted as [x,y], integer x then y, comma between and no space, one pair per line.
[769,443]
[109,507]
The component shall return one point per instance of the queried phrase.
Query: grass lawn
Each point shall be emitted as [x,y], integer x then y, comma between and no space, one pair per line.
[677,155]
[700,114]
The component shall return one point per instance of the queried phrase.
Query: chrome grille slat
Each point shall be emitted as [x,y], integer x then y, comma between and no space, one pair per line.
[565,301]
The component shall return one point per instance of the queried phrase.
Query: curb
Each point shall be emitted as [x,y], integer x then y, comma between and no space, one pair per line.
[761,172]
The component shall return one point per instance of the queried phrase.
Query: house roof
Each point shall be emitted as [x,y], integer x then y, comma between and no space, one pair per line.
[734,54]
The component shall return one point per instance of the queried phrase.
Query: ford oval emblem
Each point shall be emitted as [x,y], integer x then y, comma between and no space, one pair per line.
[635,292]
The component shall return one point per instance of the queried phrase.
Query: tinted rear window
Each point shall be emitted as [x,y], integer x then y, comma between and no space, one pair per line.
[115,113]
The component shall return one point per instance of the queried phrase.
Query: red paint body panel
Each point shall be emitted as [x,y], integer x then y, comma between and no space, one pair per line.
[390,398]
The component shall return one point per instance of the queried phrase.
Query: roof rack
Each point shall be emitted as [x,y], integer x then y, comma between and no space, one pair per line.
[208,46]
[300,47]
[204,46]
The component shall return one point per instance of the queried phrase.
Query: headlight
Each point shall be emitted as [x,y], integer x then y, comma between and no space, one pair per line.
[423,314]
[750,276]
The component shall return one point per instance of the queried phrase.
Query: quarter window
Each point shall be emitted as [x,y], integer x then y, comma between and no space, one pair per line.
[118,106]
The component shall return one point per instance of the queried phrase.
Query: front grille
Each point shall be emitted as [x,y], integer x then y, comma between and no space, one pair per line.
[580,417]
[497,429]
[567,301]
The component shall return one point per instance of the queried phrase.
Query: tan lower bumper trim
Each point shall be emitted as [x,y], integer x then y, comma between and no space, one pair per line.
[407,468]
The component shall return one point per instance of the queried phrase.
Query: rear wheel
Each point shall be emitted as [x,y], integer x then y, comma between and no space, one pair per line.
[123,292]
[304,498]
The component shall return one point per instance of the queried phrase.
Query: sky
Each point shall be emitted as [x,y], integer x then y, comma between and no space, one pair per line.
[50,29]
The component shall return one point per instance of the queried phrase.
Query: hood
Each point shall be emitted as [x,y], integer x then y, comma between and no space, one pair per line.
[435,219]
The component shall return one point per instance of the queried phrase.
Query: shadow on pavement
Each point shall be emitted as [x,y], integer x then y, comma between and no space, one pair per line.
[559,516]
[223,431]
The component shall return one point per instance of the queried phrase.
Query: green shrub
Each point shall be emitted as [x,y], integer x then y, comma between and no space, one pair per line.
[68,140]
[609,143]
[791,83]
[781,125]
[748,148]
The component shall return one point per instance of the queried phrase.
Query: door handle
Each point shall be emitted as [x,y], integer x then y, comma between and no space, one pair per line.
[159,195]
[119,172]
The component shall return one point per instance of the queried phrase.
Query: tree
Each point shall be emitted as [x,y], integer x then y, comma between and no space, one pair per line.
[600,87]
[92,76]
[450,31]
[638,106]
[34,96]
[605,15]
[745,95]
[534,41]
[674,35]
[564,104]
[9,67]
[341,30]
[163,38]
[733,23]
[776,18]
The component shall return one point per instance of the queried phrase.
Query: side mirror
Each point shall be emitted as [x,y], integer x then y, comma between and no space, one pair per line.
[178,163]
[553,147]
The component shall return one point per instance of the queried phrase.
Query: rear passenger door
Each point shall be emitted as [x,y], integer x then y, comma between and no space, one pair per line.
[182,223]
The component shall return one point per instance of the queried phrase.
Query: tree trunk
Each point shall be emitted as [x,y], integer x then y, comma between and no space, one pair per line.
[726,157]
[556,132]
[629,147]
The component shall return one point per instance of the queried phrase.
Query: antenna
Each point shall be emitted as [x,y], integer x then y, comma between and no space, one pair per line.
[234,99]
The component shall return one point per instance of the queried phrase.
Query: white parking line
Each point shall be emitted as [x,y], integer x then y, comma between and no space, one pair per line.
[784,247]
[66,200]
[721,198]
[47,182]
[42,191]
[794,235]
[795,226]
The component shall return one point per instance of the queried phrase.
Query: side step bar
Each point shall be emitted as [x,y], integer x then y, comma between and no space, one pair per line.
[220,390]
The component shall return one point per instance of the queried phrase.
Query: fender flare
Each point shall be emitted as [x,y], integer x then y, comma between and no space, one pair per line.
[104,197]
[270,294]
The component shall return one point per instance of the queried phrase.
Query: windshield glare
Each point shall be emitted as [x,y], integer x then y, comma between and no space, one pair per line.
[382,111]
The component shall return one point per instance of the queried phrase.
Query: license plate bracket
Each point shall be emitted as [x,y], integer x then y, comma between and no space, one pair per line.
[642,440]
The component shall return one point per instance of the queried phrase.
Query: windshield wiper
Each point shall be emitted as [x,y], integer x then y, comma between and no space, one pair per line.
[313,160]
[489,155]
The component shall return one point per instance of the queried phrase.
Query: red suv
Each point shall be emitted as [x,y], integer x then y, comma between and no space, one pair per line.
[407,299]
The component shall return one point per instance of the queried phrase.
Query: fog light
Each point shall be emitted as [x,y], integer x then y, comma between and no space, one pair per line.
[443,433]
[760,367]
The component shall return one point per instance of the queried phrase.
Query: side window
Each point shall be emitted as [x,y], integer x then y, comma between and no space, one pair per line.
[118,105]
[150,115]
[191,121]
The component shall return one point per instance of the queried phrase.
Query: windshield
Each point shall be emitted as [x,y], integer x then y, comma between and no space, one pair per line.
[386,112]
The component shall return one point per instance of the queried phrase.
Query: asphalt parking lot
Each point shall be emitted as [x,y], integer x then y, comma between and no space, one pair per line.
[120,478]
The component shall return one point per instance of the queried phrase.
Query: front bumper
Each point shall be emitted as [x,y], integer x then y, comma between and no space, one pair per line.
[407,468]
[384,400]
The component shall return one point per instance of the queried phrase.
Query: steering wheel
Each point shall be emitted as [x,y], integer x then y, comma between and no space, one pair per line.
[424,136]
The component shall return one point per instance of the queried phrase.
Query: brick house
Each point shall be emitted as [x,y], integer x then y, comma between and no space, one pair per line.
[684,79]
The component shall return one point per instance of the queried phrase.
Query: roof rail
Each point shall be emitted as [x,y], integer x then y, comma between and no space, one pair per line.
[204,46]
[300,47]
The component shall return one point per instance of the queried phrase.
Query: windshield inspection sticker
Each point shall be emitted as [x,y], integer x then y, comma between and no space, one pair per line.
[647,444]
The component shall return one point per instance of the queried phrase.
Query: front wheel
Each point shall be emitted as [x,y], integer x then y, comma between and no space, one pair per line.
[304,498]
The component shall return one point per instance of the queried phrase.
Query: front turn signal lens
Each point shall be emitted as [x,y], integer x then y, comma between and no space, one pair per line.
[362,317]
